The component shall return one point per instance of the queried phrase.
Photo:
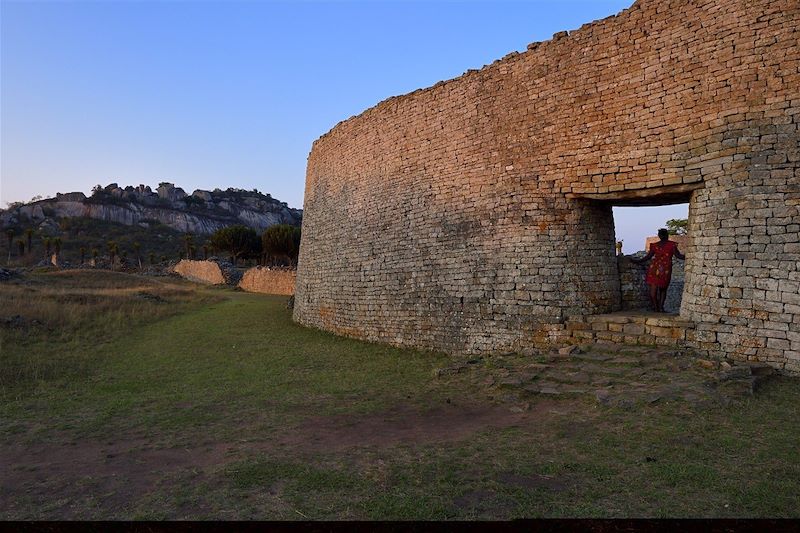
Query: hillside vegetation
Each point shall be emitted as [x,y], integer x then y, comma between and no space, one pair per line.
[78,232]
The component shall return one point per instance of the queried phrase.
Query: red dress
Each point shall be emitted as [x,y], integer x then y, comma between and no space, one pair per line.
[660,271]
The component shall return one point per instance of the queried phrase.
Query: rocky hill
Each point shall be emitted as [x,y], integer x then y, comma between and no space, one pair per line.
[201,212]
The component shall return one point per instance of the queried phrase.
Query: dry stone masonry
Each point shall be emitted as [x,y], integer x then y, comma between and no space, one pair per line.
[213,271]
[475,216]
[200,271]
[279,281]
[268,280]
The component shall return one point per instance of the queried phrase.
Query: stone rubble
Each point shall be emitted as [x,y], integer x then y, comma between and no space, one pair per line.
[613,375]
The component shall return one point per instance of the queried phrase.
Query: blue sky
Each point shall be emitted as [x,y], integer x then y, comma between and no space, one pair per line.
[208,94]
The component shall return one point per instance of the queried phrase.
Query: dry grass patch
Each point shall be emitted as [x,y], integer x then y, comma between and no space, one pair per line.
[48,319]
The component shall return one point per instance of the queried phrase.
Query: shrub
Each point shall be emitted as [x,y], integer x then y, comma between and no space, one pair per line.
[239,241]
[281,241]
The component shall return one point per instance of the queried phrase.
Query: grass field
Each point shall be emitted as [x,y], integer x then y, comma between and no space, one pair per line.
[131,397]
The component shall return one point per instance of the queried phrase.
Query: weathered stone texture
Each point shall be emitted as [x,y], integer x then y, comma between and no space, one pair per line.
[475,215]
[268,281]
[200,271]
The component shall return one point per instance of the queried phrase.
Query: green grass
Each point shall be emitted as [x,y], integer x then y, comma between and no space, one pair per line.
[216,405]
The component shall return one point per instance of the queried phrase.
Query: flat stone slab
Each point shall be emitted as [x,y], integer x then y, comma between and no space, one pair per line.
[640,375]
[592,357]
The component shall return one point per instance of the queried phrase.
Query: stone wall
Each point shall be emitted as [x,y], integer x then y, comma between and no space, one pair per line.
[634,291]
[645,328]
[200,271]
[475,215]
[268,281]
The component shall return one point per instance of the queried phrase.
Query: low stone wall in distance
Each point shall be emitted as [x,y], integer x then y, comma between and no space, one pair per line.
[269,281]
[634,290]
[200,271]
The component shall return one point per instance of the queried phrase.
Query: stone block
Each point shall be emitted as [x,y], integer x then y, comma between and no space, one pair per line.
[633,329]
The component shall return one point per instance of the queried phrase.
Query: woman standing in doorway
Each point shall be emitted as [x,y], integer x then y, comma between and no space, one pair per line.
[659,273]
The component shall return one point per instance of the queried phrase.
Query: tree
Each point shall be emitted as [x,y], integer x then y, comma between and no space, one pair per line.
[205,252]
[10,236]
[136,248]
[189,241]
[29,236]
[678,226]
[113,250]
[281,241]
[95,253]
[57,245]
[47,246]
[21,247]
[239,241]
[152,258]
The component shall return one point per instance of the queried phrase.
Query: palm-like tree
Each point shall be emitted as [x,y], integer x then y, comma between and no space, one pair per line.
[113,249]
[29,236]
[10,236]
[189,240]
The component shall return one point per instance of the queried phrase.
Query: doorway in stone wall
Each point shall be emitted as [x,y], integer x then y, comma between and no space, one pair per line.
[635,229]
[636,215]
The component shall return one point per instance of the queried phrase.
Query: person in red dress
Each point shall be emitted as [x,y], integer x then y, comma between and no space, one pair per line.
[660,271]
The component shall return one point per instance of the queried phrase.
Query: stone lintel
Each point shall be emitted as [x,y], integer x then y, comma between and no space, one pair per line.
[663,195]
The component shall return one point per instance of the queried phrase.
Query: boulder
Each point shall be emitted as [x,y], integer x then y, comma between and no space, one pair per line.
[203,195]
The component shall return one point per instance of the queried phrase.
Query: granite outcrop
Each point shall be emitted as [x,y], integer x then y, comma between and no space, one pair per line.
[201,212]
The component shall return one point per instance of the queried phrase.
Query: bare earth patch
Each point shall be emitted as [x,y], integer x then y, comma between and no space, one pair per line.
[112,473]
[402,425]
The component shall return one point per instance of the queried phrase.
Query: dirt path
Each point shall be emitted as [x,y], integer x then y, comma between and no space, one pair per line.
[114,472]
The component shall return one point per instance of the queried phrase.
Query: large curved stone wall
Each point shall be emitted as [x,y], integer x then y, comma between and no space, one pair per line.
[475,215]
